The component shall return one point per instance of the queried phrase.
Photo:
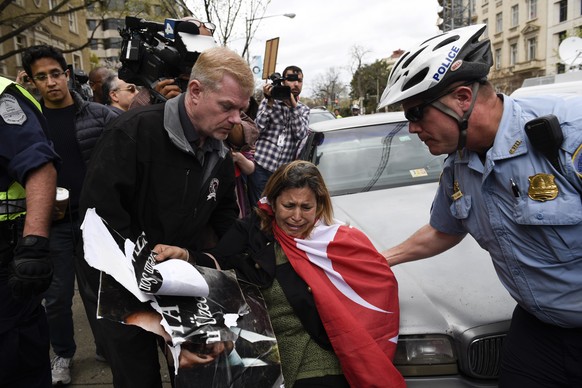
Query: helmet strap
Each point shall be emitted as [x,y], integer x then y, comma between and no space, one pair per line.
[462,122]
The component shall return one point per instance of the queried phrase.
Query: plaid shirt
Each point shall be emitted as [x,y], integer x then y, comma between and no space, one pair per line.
[281,130]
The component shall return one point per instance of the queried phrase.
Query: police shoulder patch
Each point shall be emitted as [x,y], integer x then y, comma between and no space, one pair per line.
[577,161]
[11,111]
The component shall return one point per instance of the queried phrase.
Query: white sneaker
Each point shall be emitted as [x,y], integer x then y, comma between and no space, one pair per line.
[61,370]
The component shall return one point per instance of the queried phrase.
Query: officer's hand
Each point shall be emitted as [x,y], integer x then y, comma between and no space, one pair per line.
[32,270]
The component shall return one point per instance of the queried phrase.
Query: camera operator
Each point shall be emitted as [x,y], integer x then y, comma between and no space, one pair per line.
[283,122]
[167,88]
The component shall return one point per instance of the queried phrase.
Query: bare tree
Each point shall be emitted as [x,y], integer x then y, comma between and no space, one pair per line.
[22,21]
[357,52]
[328,87]
[228,17]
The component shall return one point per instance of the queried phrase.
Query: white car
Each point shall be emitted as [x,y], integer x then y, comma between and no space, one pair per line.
[454,311]
[318,114]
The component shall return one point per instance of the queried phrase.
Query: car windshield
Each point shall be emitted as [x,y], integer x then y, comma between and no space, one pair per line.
[317,116]
[374,157]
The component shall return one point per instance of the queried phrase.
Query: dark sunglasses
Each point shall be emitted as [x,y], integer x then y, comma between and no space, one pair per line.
[416,113]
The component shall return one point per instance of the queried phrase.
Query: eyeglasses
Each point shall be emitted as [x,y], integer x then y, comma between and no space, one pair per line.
[416,113]
[130,88]
[53,75]
[209,26]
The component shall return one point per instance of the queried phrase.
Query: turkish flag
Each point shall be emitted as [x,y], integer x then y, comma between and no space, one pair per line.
[356,295]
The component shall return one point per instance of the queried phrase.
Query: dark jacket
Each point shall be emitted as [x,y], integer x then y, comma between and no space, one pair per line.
[144,176]
[90,119]
[250,252]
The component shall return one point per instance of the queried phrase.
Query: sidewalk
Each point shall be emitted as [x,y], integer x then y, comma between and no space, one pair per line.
[88,372]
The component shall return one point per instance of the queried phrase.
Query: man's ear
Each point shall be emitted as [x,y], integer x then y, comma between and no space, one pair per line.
[464,96]
[113,96]
[195,89]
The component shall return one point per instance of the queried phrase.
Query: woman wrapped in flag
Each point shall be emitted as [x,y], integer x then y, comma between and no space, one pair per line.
[331,297]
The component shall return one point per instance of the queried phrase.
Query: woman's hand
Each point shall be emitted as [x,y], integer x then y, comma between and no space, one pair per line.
[164,252]
[237,157]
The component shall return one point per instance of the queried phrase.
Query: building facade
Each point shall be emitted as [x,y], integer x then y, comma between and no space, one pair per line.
[525,35]
[20,27]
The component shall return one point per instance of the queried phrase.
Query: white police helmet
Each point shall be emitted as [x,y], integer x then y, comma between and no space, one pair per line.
[428,69]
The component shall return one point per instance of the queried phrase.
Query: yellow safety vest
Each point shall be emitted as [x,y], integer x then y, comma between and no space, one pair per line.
[13,201]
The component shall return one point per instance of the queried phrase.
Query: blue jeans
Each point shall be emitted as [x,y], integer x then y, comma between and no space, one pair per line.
[58,299]
[256,184]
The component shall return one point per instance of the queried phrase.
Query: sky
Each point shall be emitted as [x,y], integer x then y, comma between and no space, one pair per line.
[323,32]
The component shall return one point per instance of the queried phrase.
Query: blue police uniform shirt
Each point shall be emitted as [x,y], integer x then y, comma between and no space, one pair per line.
[536,246]
[24,145]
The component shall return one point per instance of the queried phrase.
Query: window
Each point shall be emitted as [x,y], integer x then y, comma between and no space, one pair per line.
[53,18]
[94,44]
[499,23]
[113,24]
[20,43]
[531,49]
[113,43]
[497,58]
[563,5]
[515,15]
[115,5]
[77,62]
[532,9]
[91,25]
[512,54]
[73,21]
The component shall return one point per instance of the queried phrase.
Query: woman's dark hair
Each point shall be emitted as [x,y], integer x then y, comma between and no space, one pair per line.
[297,175]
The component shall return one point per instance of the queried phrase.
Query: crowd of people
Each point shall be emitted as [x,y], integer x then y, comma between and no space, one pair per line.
[210,175]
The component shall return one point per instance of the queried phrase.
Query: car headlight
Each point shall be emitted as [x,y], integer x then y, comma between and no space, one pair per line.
[425,355]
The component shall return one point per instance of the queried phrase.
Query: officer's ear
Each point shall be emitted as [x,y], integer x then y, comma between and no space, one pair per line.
[463,96]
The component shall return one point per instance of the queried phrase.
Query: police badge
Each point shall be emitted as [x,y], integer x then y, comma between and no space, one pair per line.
[542,187]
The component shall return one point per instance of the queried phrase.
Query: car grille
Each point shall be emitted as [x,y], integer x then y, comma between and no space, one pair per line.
[485,356]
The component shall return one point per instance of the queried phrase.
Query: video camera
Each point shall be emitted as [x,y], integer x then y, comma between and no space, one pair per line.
[280,91]
[148,55]
[78,81]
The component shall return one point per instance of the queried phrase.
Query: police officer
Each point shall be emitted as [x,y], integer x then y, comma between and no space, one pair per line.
[523,206]
[27,194]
